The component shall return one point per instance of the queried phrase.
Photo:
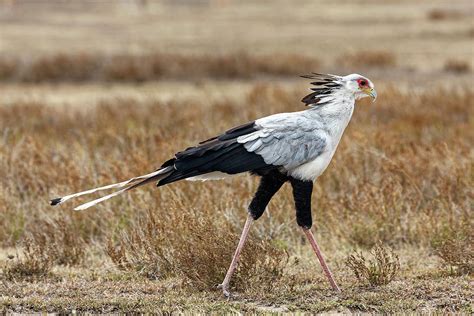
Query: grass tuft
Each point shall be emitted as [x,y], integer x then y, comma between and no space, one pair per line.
[200,252]
[455,245]
[67,247]
[35,260]
[381,269]
[47,243]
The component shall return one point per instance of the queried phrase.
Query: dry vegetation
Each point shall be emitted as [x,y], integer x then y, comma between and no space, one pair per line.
[457,66]
[368,58]
[402,173]
[199,254]
[443,14]
[455,245]
[81,67]
[34,261]
[380,270]
[393,212]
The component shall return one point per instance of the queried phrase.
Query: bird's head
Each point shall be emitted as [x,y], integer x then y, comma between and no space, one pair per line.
[360,86]
[327,87]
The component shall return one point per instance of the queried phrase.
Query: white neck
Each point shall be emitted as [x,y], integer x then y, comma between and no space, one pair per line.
[332,118]
[339,104]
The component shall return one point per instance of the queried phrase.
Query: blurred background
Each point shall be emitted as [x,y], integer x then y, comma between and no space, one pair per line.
[93,92]
[410,43]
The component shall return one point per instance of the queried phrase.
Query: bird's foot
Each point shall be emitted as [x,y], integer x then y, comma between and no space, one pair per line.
[225,289]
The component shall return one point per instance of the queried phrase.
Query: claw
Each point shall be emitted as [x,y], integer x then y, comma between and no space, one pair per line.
[225,290]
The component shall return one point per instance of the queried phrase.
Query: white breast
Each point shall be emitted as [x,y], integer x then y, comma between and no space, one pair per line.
[313,169]
[336,125]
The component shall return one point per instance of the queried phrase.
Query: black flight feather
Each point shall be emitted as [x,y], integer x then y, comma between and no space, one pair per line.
[221,153]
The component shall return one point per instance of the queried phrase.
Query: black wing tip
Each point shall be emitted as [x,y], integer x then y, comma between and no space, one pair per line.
[55,201]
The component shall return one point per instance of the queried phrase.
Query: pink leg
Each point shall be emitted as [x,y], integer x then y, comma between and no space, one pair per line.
[318,253]
[235,260]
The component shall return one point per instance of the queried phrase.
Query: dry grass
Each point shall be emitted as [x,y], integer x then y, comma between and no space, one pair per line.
[8,68]
[443,14]
[33,28]
[47,243]
[457,66]
[152,251]
[391,188]
[368,58]
[86,292]
[34,262]
[401,174]
[381,269]
[80,67]
[455,245]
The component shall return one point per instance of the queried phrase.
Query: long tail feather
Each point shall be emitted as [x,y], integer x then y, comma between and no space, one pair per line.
[125,185]
[152,178]
[97,201]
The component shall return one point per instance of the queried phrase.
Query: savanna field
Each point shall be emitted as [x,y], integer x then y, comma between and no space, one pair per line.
[81,108]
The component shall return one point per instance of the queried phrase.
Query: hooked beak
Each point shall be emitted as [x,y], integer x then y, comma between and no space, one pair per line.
[372,93]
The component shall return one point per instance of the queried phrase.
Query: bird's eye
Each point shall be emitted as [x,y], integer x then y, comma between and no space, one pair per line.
[362,83]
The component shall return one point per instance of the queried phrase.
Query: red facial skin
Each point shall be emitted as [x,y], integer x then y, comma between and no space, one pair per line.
[363,83]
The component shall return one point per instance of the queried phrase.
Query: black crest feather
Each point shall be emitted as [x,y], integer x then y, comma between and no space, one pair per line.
[324,85]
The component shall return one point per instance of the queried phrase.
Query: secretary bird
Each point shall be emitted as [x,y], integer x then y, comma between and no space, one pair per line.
[295,147]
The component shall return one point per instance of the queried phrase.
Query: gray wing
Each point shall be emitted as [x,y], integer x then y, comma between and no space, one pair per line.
[286,141]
